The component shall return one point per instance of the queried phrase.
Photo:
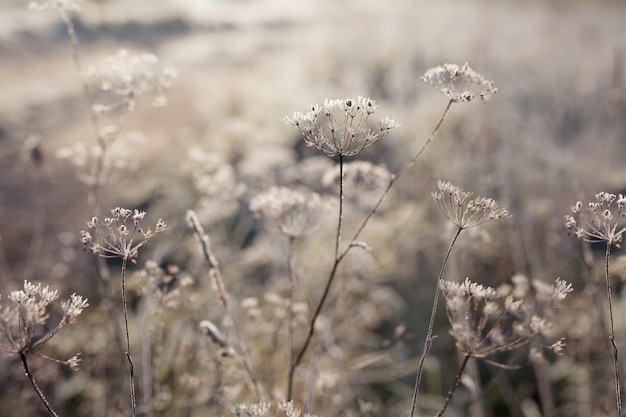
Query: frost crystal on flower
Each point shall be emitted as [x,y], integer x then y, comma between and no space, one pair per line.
[598,221]
[340,127]
[460,83]
[456,205]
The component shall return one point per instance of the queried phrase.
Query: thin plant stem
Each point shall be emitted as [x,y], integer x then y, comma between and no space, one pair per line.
[341,254]
[131,368]
[76,58]
[455,383]
[292,277]
[429,333]
[607,276]
[408,166]
[35,386]
[341,199]
[103,141]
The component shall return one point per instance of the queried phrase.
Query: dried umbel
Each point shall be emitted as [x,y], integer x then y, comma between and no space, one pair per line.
[120,234]
[464,212]
[486,321]
[127,76]
[291,212]
[24,322]
[341,127]
[599,220]
[460,83]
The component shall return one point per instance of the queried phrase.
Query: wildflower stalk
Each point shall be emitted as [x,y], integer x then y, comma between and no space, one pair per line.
[121,241]
[341,200]
[92,198]
[599,222]
[607,277]
[455,383]
[32,381]
[131,368]
[428,342]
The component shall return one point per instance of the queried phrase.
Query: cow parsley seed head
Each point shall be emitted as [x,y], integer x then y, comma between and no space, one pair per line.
[24,322]
[599,220]
[341,127]
[119,239]
[485,321]
[460,83]
[457,206]
[127,76]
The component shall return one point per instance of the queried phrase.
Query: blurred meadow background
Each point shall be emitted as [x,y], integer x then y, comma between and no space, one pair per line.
[554,133]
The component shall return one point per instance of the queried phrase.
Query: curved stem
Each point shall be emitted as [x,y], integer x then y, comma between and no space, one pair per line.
[35,386]
[455,384]
[429,334]
[607,276]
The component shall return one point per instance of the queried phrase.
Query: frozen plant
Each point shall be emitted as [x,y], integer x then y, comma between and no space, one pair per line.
[340,127]
[464,212]
[293,213]
[460,83]
[121,237]
[24,326]
[485,321]
[597,222]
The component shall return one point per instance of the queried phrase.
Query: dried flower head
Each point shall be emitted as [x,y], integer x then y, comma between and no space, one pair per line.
[127,76]
[24,323]
[340,127]
[120,234]
[456,205]
[291,212]
[485,321]
[460,83]
[598,221]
